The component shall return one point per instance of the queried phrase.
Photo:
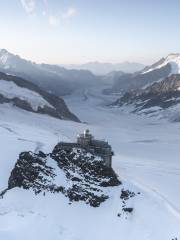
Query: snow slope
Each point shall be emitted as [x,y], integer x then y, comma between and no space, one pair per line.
[25,95]
[173,59]
[10,90]
[146,159]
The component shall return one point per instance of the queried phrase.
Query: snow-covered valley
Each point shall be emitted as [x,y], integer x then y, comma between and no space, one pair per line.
[146,160]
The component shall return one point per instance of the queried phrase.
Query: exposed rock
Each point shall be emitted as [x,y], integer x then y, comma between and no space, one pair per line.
[126,194]
[157,97]
[92,167]
[129,210]
[86,176]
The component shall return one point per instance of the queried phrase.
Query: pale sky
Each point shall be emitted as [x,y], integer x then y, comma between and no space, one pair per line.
[78,31]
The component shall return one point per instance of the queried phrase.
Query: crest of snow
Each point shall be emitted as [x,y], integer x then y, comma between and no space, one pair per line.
[10,90]
[7,60]
[4,57]
[151,109]
[173,59]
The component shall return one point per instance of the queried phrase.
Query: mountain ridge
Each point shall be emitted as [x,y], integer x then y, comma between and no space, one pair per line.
[161,99]
[27,96]
[51,78]
[103,68]
[150,74]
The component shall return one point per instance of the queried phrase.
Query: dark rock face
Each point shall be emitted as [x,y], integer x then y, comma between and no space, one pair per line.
[169,84]
[163,94]
[31,171]
[126,194]
[94,168]
[86,176]
[58,109]
[129,210]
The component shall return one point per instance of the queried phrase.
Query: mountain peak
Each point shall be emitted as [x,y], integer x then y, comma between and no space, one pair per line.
[173,59]
[4,56]
[3,51]
[173,55]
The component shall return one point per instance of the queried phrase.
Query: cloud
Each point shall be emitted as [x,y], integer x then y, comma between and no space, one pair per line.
[28,5]
[54,20]
[71,12]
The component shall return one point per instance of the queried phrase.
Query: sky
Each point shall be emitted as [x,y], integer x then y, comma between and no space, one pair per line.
[79,31]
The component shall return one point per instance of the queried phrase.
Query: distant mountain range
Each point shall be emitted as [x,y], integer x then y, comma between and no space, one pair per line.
[99,68]
[51,78]
[38,87]
[154,91]
[25,95]
[61,81]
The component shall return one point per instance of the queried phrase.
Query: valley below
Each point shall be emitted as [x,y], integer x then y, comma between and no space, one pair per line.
[146,161]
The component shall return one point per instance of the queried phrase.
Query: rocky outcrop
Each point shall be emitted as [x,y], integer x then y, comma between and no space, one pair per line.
[76,173]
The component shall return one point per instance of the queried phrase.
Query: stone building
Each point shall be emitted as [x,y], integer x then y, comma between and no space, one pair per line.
[98,147]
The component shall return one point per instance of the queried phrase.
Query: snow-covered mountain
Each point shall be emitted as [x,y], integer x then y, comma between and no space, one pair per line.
[128,82]
[156,72]
[112,76]
[17,92]
[51,78]
[100,68]
[153,91]
[173,59]
[161,99]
